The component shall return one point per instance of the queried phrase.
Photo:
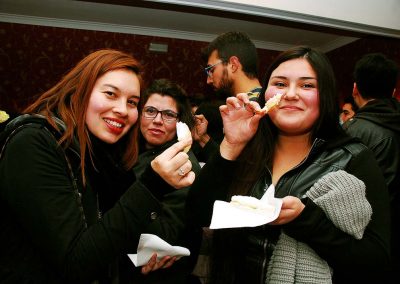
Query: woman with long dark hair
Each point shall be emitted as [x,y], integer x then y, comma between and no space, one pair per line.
[300,148]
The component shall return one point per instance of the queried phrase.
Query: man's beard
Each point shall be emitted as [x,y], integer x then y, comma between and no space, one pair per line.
[225,88]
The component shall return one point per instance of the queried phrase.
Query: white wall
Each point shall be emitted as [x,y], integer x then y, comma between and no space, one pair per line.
[379,17]
[380,13]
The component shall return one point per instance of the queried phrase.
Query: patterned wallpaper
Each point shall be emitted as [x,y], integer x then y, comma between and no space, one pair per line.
[33,58]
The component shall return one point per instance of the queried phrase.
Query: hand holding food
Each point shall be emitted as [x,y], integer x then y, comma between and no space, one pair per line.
[183,133]
[271,103]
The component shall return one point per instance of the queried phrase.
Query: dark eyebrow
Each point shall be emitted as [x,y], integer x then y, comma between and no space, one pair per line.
[279,77]
[308,78]
[301,78]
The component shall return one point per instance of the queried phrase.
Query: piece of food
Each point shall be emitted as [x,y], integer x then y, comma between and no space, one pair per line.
[3,116]
[183,132]
[249,202]
[271,103]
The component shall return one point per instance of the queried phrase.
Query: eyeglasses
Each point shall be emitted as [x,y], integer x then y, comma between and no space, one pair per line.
[210,69]
[167,115]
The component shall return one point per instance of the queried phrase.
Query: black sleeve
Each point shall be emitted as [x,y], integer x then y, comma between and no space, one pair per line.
[339,249]
[211,184]
[37,188]
[209,149]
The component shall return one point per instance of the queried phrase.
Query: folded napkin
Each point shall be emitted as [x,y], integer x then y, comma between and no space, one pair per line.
[150,244]
[246,211]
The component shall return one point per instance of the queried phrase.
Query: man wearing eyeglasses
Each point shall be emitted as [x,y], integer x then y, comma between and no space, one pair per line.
[232,65]
[231,69]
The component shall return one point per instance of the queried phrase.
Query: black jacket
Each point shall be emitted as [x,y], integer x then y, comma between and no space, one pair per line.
[353,261]
[50,232]
[173,210]
[377,124]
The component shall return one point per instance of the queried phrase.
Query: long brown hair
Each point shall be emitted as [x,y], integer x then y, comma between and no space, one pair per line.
[258,154]
[69,99]
[229,251]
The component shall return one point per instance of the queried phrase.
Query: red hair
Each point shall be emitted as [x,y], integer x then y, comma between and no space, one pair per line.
[69,99]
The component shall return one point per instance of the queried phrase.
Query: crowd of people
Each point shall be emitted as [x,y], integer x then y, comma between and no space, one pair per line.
[95,162]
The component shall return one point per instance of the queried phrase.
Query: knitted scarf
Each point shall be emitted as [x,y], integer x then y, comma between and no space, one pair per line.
[342,197]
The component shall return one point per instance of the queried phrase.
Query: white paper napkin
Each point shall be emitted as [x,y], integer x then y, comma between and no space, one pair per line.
[229,215]
[150,244]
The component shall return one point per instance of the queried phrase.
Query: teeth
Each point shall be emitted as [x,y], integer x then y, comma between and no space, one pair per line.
[113,123]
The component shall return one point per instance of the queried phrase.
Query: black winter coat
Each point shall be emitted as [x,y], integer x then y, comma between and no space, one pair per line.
[50,232]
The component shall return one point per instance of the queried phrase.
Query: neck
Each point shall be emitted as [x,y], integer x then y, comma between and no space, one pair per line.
[363,102]
[294,144]
[245,85]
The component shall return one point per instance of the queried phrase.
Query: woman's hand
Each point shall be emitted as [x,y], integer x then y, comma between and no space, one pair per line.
[199,132]
[291,209]
[173,165]
[241,118]
[154,264]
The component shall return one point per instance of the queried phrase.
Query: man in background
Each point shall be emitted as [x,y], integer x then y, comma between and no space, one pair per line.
[349,109]
[377,124]
[232,65]
[232,68]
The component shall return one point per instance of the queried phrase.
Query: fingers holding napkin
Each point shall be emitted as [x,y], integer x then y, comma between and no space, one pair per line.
[246,211]
[150,244]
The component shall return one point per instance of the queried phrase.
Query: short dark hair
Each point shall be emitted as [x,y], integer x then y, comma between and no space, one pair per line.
[350,100]
[375,76]
[235,44]
[165,87]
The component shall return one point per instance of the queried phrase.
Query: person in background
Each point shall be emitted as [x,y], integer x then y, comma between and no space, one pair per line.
[299,145]
[164,103]
[349,109]
[208,133]
[56,227]
[232,68]
[232,65]
[377,124]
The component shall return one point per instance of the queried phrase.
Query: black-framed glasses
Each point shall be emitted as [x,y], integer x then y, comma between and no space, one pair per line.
[210,69]
[167,115]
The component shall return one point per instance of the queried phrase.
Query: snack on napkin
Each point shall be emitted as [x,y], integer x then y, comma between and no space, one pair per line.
[271,103]
[183,132]
[249,202]
[246,211]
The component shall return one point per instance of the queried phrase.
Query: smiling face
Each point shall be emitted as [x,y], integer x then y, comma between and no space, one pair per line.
[158,131]
[299,107]
[112,108]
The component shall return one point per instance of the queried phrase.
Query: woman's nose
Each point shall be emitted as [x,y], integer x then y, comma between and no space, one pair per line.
[121,108]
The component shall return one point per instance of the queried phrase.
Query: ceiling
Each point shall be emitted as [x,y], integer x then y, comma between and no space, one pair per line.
[174,21]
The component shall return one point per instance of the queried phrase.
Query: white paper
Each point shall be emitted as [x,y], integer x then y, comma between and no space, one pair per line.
[150,244]
[227,215]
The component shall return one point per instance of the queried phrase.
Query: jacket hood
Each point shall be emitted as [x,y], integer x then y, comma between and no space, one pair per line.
[385,113]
